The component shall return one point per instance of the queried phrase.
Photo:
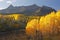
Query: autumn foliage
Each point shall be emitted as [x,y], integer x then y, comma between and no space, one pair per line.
[49,24]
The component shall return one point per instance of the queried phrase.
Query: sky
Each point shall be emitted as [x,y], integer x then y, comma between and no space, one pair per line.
[50,3]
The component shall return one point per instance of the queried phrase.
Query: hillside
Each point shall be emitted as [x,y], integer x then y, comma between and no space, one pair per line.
[28,10]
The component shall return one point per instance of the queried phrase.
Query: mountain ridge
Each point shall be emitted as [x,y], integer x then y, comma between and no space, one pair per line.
[28,10]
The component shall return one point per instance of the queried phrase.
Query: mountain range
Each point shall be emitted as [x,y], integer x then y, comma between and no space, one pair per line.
[28,10]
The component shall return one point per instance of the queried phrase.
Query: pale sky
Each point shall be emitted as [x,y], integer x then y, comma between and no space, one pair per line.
[51,3]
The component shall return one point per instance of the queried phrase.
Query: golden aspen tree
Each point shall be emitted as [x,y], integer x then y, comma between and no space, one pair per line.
[58,18]
[32,27]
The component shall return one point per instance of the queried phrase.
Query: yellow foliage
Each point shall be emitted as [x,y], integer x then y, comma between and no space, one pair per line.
[31,27]
[47,24]
[14,16]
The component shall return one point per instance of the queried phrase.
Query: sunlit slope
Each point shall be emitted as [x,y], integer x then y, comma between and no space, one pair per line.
[14,16]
